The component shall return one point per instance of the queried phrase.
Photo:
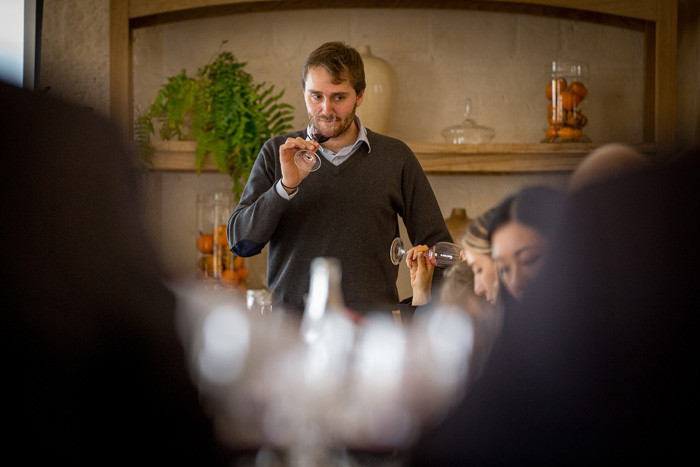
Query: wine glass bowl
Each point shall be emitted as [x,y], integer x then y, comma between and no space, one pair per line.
[319,129]
[444,254]
[397,251]
[440,255]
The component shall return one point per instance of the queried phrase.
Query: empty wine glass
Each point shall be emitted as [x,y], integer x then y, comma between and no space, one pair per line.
[320,129]
[440,255]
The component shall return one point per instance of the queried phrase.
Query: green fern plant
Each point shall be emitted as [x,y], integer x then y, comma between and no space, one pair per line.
[223,109]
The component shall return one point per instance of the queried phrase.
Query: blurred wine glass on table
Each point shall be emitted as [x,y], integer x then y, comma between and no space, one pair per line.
[259,300]
[328,389]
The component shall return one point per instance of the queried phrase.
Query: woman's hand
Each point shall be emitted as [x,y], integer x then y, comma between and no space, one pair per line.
[421,274]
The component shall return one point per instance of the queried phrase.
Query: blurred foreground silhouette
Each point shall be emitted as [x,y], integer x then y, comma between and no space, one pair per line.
[93,369]
[599,364]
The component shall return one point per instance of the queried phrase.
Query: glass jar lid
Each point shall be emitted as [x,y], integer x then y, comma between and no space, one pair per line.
[468,131]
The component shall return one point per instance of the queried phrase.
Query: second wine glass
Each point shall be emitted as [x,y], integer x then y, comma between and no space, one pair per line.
[320,129]
[440,255]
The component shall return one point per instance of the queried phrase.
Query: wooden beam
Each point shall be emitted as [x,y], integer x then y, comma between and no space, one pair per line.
[142,8]
[649,110]
[665,80]
[120,66]
[638,9]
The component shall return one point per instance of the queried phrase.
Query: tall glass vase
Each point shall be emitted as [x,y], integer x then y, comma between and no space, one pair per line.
[215,262]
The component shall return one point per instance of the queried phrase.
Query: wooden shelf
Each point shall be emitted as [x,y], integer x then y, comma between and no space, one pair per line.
[507,157]
[437,158]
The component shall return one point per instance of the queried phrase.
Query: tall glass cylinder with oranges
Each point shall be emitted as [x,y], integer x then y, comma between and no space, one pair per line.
[215,261]
[565,93]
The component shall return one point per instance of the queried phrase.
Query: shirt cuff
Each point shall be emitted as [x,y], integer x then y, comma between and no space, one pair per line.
[282,192]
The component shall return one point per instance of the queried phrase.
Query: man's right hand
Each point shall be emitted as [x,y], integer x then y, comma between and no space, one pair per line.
[292,175]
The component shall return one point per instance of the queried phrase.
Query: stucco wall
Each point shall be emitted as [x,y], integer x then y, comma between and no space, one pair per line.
[439,58]
[75,52]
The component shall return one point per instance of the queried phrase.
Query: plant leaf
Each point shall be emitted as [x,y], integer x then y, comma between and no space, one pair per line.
[230,116]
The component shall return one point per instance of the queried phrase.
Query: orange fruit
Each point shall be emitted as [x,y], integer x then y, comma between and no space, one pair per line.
[242,273]
[238,262]
[555,115]
[566,100]
[205,243]
[206,264]
[551,133]
[226,258]
[229,277]
[220,235]
[554,87]
[576,120]
[569,134]
[578,89]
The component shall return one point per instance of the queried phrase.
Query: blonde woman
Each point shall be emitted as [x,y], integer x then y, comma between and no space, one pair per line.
[476,253]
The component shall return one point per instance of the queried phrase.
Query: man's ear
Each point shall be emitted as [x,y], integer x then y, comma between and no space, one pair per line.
[358,100]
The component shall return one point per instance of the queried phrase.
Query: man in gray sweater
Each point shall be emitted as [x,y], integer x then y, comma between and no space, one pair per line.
[348,208]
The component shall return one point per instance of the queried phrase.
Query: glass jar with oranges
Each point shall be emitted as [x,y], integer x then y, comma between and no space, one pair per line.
[215,262]
[565,92]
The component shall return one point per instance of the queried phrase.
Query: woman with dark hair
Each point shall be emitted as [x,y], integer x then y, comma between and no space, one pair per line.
[520,233]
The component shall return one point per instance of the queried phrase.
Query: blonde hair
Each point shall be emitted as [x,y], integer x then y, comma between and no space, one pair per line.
[477,236]
[457,292]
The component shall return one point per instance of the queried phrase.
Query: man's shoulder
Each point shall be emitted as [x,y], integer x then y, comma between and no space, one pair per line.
[385,142]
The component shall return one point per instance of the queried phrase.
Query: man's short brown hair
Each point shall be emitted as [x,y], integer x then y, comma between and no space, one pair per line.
[343,62]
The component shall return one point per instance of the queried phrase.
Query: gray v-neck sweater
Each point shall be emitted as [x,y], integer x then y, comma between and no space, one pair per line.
[347,212]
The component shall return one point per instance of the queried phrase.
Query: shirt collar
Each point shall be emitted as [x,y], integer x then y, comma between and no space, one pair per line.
[362,134]
[347,150]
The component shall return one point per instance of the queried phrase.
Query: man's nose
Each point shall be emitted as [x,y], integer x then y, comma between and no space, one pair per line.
[327,107]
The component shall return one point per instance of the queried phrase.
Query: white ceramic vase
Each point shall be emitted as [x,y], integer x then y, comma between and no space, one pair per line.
[377,104]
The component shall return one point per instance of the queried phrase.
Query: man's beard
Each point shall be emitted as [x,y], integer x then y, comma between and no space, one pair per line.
[342,126]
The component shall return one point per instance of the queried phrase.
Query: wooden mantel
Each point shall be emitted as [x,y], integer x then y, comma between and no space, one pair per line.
[657,18]
[437,158]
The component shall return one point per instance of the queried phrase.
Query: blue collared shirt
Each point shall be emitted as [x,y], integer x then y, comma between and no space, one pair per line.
[343,155]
